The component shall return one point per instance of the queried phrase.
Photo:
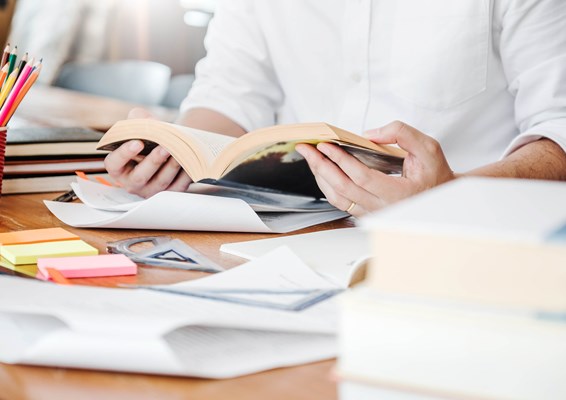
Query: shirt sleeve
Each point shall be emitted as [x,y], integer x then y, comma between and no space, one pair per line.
[236,78]
[533,51]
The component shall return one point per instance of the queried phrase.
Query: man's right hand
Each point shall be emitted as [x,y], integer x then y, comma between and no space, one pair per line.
[145,175]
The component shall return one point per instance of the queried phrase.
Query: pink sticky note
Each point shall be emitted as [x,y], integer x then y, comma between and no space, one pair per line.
[87,266]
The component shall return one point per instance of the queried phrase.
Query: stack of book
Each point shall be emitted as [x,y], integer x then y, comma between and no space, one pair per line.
[465,297]
[42,159]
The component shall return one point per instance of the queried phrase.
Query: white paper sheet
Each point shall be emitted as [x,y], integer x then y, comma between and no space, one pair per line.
[188,212]
[152,332]
[336,254]
[103,197]
[111,207]
[278,279]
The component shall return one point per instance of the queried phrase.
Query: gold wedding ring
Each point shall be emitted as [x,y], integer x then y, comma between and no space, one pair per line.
[349,209]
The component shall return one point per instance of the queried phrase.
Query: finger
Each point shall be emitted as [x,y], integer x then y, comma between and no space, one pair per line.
[337,187]
[356,202]
[162,179]
[357,171]
[375,185]
[333,197]
[422,146]
[118,161]
[143,172]
[317,164]
[139,112]
[181,182]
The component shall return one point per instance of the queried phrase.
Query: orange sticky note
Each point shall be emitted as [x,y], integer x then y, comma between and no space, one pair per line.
[87,266]
[57,276]
[36,236]
[81,174]
[103,181]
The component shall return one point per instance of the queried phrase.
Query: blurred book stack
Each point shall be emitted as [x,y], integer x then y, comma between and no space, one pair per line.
[44,159]
[465,297]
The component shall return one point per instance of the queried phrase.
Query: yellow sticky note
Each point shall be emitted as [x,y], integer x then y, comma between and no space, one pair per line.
[19,254]
[27,269]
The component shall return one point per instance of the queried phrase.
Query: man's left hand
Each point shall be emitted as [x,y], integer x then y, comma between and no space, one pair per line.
[353,187]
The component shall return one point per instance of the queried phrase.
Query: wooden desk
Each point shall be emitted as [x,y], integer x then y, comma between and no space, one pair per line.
[311,381]
[54,106]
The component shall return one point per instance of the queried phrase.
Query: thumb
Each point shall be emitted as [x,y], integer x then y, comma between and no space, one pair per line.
[139,112]
[376,136]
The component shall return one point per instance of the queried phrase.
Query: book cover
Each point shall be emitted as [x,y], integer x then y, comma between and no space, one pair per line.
[41,184]
[35,134]
[48,141]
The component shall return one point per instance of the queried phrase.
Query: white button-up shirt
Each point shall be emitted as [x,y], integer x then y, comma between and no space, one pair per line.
[483,77]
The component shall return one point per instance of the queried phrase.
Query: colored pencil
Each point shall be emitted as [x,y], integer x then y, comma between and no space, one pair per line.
[3,75]
[25,88]
[5,55]
[23,63]
[15,81]
[12,60]
[21,78]
[8,86]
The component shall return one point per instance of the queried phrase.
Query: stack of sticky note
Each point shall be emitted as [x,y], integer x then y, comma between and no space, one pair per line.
[19,249]
[25,247]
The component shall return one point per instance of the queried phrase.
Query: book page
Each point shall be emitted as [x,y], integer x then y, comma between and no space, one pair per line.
[194,149]
[211,143]
[260,199]
[266,145]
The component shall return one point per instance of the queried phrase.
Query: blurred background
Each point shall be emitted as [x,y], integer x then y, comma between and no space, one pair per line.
[71,33]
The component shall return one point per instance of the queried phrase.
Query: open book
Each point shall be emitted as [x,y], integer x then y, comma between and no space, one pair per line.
[264,158]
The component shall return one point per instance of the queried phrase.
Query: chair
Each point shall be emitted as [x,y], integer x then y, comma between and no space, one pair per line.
[178,89]
[143,82]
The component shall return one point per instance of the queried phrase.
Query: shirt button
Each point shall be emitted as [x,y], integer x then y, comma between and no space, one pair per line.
[356,77]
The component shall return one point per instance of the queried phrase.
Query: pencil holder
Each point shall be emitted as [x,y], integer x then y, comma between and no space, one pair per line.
[3,133]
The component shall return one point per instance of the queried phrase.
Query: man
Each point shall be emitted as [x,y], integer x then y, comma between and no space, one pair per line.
[62,31]
[486,79]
